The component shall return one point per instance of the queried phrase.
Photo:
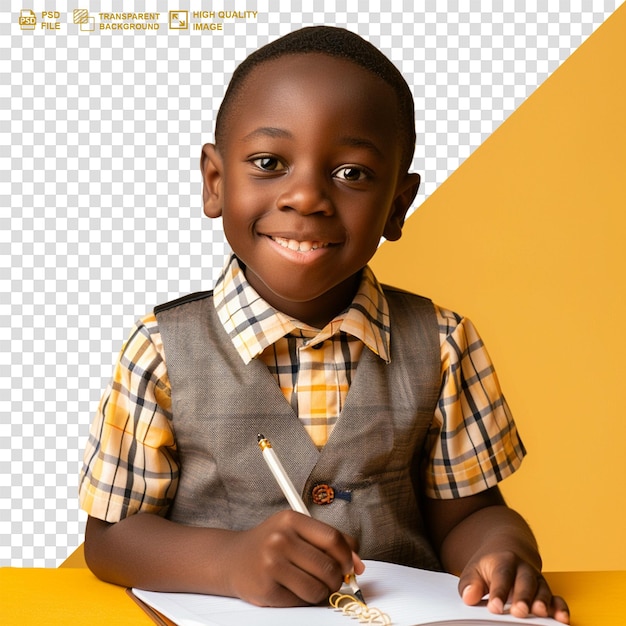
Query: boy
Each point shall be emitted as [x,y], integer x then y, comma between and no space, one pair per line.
[314,139]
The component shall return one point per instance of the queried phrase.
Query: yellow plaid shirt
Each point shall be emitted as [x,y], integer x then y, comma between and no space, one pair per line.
[474,441]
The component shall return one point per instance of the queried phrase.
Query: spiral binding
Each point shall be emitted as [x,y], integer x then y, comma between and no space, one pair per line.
[351,607]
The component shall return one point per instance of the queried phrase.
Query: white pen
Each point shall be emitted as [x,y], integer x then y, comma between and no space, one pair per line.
[294,499]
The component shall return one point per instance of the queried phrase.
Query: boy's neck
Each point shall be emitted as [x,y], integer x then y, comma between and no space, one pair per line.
[316,313]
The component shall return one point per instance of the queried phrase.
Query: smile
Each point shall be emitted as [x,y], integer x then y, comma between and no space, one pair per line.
[299,246]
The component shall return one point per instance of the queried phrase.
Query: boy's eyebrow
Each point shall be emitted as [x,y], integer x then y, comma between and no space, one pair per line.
[272,131]
[360,142]
[268,131]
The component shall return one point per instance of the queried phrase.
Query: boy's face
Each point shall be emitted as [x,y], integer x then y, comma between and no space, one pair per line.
[307,180]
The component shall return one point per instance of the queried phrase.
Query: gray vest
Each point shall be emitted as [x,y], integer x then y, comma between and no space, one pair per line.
[371,459]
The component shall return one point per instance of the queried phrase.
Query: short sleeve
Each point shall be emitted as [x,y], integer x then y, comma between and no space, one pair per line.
[474,443]
[130,463]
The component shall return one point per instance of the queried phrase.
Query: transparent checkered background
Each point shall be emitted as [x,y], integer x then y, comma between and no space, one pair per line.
[101,214]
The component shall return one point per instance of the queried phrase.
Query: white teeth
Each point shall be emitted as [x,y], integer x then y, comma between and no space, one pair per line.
[299,246]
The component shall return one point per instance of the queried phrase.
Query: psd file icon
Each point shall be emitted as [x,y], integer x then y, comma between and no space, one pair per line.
[27,19]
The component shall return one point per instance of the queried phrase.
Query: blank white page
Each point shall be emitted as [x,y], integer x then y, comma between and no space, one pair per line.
[411,597]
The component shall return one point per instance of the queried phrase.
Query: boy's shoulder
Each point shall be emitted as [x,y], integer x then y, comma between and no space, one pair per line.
[390,290]
[407,308]
[447,319]
[187,299]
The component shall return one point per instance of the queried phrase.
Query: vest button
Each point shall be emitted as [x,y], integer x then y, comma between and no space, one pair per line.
[323,494]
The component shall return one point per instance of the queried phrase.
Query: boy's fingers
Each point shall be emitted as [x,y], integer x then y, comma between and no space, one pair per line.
[492,577]
[328,540]
[472,593]
[526,601]
[359,566]
[311,576]
[472,587]
[314,557]
[298,557]
[527,591]
[528,587]
[553,606]
[497,581]
[559,610]
[540,602]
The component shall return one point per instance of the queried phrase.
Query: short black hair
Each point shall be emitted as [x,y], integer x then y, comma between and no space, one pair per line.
[335,42]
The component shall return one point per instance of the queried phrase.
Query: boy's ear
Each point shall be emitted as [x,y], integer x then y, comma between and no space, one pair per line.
[405,194]
[211,168]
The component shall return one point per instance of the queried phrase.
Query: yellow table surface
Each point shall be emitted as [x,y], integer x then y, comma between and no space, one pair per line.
[75,596]
[64,596]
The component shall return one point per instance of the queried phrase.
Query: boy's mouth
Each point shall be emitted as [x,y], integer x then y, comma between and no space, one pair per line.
[299,246]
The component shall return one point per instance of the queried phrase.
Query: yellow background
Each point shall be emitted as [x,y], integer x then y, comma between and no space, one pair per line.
[527,239]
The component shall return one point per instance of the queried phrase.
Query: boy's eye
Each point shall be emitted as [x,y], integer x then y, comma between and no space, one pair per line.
[351,173]
[268,163]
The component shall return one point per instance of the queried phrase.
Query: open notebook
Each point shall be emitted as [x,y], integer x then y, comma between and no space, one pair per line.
[410,597]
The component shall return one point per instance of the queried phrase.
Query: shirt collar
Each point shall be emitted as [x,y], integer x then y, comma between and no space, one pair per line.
[253,324]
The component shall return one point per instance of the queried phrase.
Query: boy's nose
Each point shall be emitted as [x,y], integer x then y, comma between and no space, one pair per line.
[305,193]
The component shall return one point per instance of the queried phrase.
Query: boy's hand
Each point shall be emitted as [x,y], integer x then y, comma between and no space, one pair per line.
[509,579]
[289,560]
[494,551]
